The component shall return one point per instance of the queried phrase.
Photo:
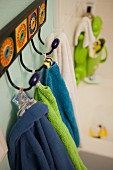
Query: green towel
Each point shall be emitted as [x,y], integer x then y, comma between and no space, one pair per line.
[44,94]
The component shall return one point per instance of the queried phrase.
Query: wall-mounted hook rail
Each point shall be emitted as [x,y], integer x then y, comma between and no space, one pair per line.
[17,34]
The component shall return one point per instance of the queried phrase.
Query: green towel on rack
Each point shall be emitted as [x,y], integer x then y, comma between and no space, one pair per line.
[44,94]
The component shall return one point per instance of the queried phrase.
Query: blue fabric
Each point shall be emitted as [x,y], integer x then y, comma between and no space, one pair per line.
[35,145]
[51,77]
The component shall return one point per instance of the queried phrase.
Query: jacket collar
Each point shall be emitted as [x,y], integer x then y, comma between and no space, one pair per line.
[24,123]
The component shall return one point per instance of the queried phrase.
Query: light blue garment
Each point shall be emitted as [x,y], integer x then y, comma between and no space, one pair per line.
[51,77]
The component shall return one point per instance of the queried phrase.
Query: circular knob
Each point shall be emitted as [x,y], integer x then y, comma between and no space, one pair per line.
[34,79]
[55,43]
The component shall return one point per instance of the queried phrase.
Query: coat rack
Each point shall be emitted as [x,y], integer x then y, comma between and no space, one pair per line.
[17,34]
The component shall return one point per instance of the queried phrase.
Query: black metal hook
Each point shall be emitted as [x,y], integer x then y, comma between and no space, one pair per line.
[48,60]
[32,82]
[39,33]
[26,68]
[35,77]
[54,45]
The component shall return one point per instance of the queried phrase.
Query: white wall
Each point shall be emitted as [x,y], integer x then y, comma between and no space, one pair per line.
[69,12]
[104,8]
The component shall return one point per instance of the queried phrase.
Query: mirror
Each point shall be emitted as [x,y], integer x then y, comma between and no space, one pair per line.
[10,9]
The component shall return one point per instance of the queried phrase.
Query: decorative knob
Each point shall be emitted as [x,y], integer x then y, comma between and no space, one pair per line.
[55,43]
[34,79]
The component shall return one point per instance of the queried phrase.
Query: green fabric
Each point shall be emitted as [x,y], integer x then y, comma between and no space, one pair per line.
[44,94]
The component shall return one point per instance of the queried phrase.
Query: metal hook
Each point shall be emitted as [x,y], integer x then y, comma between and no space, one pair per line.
[26,68]
[54,45]
[47,63]
[39,36]
[32,82]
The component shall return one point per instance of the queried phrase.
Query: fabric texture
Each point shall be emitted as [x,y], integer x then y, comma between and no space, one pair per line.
[34,143]
[86,27]
[44,94]
[51,77]
[63,57]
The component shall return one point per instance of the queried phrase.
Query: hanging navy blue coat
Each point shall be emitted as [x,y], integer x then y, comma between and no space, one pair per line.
[35,145]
